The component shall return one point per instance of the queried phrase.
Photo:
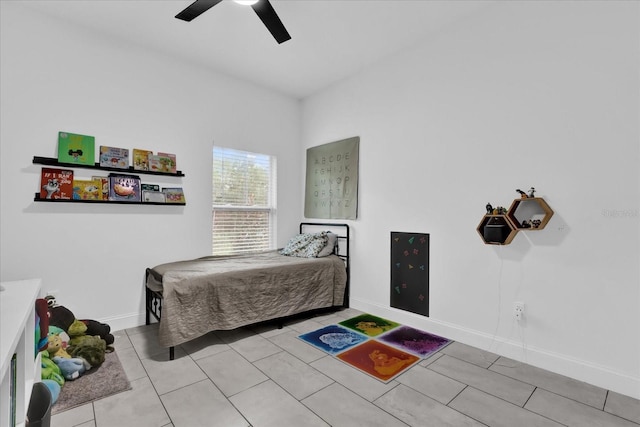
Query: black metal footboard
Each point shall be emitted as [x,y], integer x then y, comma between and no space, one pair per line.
[153,307]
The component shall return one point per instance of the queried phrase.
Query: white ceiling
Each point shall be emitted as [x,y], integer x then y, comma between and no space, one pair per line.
[331,39]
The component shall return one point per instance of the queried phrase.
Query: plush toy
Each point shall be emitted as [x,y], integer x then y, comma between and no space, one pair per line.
[91,348]
[54,389]
[71,368]
[101,329]
[42,325]
[77,329]
[55,347]
[59,316]
[50,371]
[88,338]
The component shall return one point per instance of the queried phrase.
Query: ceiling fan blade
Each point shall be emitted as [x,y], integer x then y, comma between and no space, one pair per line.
[269,17]
[196,8]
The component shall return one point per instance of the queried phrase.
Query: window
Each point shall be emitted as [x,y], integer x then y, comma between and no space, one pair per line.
[244,202]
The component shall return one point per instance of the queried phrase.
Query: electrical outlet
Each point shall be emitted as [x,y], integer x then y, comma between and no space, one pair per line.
[518,310]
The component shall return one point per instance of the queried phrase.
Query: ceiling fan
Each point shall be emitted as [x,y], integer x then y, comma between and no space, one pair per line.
[263,9]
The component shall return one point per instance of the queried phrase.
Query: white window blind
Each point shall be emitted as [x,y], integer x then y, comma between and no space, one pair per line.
[244,205]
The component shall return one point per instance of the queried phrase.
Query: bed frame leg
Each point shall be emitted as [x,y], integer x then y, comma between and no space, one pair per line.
[172,354]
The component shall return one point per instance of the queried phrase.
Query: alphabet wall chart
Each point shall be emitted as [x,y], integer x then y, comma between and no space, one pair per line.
[332,180]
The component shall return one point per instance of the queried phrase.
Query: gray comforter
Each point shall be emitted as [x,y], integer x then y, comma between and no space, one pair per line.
[221,293]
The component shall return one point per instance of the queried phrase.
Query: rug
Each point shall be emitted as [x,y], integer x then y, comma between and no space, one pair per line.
[378,347]
[106,380]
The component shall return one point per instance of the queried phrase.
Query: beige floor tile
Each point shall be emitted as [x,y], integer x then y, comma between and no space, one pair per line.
[199,404]
[290,342]
[230,372]
[339,406]
[268,405]
[418,410]
[496,412]
[73,417]
[491,382]
[438,387]
[572,413]
[168,375]
[623,406]
[558,384]
[138,407]
[470,354]
[204,346]
[356,381]
[296,377]
[131,363]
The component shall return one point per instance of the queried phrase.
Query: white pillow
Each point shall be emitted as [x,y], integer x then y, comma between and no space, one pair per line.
[332,242]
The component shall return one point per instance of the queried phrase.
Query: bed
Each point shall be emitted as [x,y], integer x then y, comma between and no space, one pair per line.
[193,297]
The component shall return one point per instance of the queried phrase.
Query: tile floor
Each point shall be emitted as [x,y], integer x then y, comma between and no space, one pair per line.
[265,376]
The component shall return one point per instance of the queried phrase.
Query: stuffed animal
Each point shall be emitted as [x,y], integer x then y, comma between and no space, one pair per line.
[64,318]
[101,329]
[50,371]
[71,368]
[55,347]
[54,389]
[91,348]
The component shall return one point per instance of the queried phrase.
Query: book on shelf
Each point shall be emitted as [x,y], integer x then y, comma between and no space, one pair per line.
[124,188]
[149,187]
[174,195]
[153,196]
[56,183]
[87,189]
[13,390]
[104,186]
[141,159]
[171,162]
[158,163]
[77,149]
[114,157]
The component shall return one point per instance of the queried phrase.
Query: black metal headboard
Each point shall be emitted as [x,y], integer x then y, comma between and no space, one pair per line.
[342,249]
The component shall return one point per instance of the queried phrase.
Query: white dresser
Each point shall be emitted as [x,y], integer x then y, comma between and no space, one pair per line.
[17,336]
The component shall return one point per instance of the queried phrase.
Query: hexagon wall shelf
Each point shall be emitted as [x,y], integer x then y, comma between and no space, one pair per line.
[496,230]
[530,213]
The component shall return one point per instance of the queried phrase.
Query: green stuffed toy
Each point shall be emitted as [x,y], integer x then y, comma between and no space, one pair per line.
[88,347]
[50,371]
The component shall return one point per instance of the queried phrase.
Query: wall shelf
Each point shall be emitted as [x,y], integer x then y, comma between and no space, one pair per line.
[37,198]
[496,230]
[525,214]
[50,161]
[527,210]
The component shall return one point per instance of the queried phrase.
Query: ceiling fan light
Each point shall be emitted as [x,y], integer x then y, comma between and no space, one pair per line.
[246,2]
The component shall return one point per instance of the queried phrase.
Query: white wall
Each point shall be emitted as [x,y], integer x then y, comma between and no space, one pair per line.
[57,77]
[541,94]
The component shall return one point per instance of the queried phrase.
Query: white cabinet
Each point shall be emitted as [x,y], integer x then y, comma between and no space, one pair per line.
[17,336]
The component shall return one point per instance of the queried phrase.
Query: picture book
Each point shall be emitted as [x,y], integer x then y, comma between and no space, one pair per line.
[104,187]
[56,183]
[124,188]
[153,196]
[174,195]
[172,161]
[141,159]
[87,189]
[114,157]
[76,149]
[150,187]
[158,163]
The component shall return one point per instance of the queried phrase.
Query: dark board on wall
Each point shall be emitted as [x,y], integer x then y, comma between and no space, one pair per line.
[410,272]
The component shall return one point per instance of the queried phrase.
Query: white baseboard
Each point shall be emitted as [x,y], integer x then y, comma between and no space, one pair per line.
[582,370]
[124,321]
